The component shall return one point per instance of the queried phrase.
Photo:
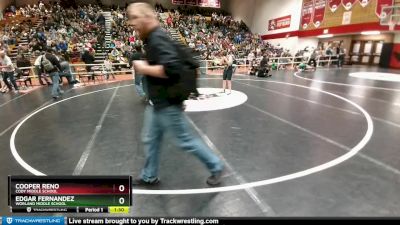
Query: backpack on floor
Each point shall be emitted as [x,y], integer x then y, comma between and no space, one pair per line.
[263,72]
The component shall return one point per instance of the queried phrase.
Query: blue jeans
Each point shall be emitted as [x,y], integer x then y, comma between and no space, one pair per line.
[55,91]
[172,119]
[140,89]
[67,72]
[10,75]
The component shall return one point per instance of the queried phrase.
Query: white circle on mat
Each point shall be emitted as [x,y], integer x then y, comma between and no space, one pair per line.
[355,150]
[215,99]
[392,77]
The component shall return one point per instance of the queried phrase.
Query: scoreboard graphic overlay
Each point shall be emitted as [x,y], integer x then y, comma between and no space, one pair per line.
[77,194]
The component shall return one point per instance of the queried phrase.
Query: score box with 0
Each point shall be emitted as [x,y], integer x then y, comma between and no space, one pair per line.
[69,191]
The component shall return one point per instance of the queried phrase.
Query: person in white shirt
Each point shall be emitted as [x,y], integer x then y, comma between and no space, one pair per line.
[3,86]
[41,5]
[108,69]
[8,69]
[250,59]
[39,70]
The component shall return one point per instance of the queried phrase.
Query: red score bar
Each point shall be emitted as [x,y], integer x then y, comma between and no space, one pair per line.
[69,185]
[93,189]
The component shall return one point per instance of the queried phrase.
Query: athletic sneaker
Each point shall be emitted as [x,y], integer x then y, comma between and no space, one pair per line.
[140,182]
[215,179]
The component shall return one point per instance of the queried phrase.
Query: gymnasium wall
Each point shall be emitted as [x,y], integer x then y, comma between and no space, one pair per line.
[293,44]
[267,10]
[4,4]
[241,10]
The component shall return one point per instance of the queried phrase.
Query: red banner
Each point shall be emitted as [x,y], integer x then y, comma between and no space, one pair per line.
[334,4]
[306,13]
[279,23]
[395,58]
[364,3]
[319,12]
[214,3]
[348,4]
[203,3]
[191,2]
[381,4]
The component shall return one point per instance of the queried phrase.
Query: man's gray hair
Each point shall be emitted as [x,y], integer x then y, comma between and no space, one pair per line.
[145,9]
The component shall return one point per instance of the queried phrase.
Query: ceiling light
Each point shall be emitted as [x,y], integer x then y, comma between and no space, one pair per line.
[325,36]
[373,32]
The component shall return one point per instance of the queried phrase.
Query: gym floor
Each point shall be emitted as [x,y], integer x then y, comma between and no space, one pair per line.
[316,144]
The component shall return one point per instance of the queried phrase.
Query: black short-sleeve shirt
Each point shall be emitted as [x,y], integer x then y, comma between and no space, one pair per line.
[161,50]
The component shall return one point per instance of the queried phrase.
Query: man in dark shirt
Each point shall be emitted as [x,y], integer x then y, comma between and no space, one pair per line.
[88,58]
[54,73]
[23,62]
[263,69]
[162,70]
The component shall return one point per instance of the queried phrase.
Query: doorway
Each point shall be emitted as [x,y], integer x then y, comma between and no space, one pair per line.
[365,52]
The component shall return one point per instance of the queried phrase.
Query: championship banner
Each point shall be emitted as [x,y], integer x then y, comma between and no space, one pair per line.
[191,2]
[214,3]
[334,4]
[348,4]
[380,4]
[217,3]
[319,12]
[364,3]
[203,3]
[209,3]
[306,13]
[279,23]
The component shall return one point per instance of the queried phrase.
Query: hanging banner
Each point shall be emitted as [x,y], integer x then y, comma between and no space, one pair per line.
[191,2]
[319,12]
[334,4]
[279,23]
[306,13]
[346,18]
[364,3]
[380,4]
[348,4]
[203,3]
[214,3]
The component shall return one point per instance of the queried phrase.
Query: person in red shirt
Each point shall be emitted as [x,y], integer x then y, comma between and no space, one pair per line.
[169,21]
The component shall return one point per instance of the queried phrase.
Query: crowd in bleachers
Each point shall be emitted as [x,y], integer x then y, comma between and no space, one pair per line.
[64,30]
[214,34]
[73,34]
[124,38]
[68,32]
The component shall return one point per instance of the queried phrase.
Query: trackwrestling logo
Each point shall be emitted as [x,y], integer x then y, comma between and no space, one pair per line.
[21,220]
